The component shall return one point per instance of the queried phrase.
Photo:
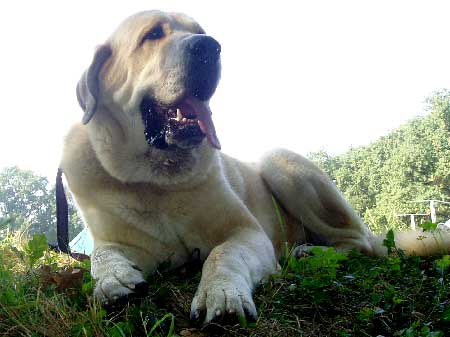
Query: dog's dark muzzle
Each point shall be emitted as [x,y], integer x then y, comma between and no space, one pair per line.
[185,123]
[203,66]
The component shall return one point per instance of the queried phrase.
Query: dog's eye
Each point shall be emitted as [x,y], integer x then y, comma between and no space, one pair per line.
[155,34]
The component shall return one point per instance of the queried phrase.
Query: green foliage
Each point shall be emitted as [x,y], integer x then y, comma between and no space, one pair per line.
[410,163]
[119,329]
[360,295]
[158,324]
[389,241]
[35,248]
[4,222]
[318,270]
[27,201]
[439,104]
[443,263]
[428,226]
[446,315]
[418,329]
[33,303]
[364,296]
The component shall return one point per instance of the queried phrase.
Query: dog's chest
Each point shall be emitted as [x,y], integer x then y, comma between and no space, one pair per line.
[178,222]
[155,215]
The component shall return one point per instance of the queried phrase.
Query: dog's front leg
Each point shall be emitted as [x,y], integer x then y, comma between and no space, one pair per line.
[230,274]
[116,276]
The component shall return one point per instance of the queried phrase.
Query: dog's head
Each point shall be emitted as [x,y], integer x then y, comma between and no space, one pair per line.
[147,94]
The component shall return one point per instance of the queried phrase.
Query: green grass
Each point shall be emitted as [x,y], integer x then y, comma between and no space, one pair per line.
[326,294]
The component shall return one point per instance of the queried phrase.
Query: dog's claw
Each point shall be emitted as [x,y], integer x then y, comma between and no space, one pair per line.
[251,313]
[195,315]
[141,288]
[223,300]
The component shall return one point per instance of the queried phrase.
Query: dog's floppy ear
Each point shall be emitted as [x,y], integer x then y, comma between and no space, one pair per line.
[88,86]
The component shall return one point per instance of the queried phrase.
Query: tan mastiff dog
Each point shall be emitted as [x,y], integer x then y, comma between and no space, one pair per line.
[146,171]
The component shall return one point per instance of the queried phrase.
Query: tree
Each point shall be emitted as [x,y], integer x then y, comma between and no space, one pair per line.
[27,200]
[410,163]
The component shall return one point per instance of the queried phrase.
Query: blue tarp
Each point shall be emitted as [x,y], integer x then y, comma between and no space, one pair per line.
[82,243]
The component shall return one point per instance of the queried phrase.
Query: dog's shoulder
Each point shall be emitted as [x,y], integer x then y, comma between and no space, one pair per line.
[237,170]
[243,177]
[79,162]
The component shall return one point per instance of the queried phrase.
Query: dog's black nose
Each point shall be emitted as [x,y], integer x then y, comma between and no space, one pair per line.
[204,49]
[203,66]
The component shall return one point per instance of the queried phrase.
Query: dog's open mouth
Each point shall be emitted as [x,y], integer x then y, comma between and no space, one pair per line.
[183,125]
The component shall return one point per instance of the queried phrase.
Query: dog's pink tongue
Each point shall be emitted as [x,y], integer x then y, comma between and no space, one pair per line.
[194,107]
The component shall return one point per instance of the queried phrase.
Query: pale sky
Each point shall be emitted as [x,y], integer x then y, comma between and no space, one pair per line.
[306,75]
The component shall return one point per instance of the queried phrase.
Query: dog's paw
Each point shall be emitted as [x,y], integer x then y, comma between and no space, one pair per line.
[120,282]
[223,297]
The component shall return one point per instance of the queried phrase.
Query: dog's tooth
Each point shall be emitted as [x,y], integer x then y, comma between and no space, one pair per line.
[184,120]
[179,115]
[169,162]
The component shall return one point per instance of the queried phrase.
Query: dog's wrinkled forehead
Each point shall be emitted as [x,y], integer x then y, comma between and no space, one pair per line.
[133,29]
